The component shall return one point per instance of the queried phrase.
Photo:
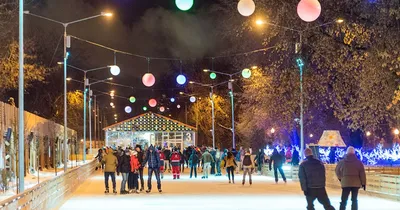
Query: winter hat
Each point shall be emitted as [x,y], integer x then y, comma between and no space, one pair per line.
[351,150]
[308,152]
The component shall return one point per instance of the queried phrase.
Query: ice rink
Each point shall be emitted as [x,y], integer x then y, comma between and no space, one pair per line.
[214,193]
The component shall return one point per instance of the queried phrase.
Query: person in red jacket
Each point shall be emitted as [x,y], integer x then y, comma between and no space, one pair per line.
[133,178]
[175,162]
[162,158]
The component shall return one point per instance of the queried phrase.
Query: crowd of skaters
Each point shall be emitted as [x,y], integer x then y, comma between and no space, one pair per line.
[129,163]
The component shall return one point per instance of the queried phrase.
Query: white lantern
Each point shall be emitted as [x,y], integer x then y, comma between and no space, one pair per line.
[115,70]
[246,7]
[128,109]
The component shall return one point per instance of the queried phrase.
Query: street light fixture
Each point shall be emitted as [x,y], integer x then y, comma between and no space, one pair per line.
[67,44]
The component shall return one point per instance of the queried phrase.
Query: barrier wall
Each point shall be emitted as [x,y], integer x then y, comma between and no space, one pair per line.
[50,193]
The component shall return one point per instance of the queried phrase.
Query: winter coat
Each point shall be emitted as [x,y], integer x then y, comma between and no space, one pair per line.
[295,158]
[167,154]
[135,164]
[140,156]
[247,161]
[110,162]
[207,158]
[175,159]
[350,171]
[194,159]
[311,174]
[162,158]
[277,159]
[183,158]
[260,158]
[124,165]
[230,162]
[152,158]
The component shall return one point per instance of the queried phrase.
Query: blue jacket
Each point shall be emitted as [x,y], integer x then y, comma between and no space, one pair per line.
[152,158]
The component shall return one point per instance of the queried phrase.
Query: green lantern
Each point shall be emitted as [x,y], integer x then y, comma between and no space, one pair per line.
[213,75]
[246,73]
[132,99]
[144,108]
[184,5]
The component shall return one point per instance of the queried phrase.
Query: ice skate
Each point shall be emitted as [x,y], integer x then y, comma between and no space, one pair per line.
[159,190]
[107,191]
[115,192]
[148,191]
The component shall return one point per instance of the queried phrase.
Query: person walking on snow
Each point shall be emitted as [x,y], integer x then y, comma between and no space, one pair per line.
[312,181]
[278,163]
[133,178]
[140,155]
[351,174]
[248,167]
[110,165]
[230,164]
[193,161]
[124,167]
[175,162]
[153,160]
[207,159]
[162,159]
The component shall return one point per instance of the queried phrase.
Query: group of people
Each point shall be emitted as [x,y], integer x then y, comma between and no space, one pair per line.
[349,171]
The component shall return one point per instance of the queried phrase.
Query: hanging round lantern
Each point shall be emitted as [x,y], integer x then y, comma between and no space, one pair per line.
[132,99]
[246,73]
[181,79]
[309,10]
[172,100]
[115,70]
[192,99]
[184,5]
[148,79]
[246,7]
[178,106]
[213,75]
[144,108]
[162,109]
[128,109]
[152,102]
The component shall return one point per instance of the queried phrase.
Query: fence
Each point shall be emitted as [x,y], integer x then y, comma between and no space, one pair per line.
[50,193]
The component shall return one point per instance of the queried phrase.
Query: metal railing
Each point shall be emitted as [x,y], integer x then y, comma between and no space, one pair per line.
[50,193]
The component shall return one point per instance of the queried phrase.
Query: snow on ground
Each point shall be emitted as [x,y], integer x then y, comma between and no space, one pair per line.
[214,193]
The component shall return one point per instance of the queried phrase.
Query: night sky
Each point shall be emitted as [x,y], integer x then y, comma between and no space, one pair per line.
[152,28]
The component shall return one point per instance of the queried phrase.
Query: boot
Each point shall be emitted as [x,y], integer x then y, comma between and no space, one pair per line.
[148,191]
[114,191]
[250,181]
[243,182]
[159,190]
[107,191]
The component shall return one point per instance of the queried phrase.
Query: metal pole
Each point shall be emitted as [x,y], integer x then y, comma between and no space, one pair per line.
[233,116]
[95,122]
[65,100]
[186,113]
[301,114]
[90,121]
[84,118]
[21,129]
[213,116]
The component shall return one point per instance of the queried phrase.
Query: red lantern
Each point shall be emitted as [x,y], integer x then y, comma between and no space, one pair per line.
[309,10]
[148,79]
[162,109]
[152,102]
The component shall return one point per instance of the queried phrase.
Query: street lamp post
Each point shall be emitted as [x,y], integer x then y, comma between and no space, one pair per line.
[66,45]
[300,64]
[21,129]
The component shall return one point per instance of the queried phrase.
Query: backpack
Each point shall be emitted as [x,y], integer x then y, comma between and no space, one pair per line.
[247,160]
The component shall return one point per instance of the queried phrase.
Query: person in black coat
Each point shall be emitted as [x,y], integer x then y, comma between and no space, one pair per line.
[295,157]
[312,181]
[124,167]
[277,159]
[140,157]
[193,161]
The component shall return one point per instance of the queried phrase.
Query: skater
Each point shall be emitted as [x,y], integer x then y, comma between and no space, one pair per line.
[124,167]
[167,158]
[140,154]
[153,160]
[193,161]
[213,153]
[175,162]
[110,165]
[133,178]
[239,159]
[259,161]
[207,159]
[351,174]
[312,181]
[230,164]
[162,159]
[217,161]
[248,167]
[278,163]
[295,157]
[182,162]
[99,157]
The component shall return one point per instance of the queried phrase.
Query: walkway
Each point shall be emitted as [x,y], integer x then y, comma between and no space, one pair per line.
[215,193]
